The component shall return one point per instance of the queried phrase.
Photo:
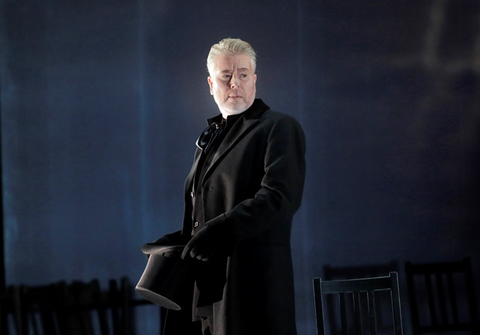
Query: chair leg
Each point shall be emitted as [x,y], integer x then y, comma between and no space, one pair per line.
[20,315]
[318,307]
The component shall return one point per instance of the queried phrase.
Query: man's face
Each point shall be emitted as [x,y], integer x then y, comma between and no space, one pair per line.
[232,83]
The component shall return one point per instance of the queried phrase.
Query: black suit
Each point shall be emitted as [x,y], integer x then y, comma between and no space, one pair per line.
[247,197]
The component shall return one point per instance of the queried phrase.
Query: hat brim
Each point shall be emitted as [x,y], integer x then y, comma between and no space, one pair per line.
[167,278]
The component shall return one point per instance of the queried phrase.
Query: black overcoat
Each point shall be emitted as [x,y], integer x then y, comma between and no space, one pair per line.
[252,189]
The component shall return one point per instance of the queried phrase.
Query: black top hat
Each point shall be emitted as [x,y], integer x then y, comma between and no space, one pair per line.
[167,278]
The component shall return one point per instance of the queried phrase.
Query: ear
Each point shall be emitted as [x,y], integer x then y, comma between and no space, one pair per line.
[210,84]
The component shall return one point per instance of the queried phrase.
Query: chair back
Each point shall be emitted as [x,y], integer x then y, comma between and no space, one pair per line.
[76,308]
[331,272]
[357,303]
[442,297]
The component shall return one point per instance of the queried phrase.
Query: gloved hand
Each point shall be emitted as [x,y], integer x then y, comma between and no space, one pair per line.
[201,246]
[207,242]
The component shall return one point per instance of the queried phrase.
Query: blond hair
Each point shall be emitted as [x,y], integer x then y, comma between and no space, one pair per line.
[232,47]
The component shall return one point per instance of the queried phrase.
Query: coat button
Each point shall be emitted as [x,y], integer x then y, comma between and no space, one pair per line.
[195,224]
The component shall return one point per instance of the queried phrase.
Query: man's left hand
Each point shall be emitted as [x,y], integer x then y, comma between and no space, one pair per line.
[202,245]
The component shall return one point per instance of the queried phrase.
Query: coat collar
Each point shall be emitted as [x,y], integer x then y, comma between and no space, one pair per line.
[245,122]
[239,129]
[253,112]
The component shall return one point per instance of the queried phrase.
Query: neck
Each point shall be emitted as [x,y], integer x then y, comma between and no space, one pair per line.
[226,114]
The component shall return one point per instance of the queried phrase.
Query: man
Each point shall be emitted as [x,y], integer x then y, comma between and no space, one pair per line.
[244,187]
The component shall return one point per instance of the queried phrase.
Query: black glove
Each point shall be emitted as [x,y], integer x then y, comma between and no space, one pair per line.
[207,242]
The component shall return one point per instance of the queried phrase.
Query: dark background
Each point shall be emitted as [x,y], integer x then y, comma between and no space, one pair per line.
[102,101]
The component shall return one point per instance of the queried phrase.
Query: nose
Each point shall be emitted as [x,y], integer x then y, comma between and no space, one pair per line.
[234,81]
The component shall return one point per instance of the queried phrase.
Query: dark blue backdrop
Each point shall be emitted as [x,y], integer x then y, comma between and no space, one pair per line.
[102,101]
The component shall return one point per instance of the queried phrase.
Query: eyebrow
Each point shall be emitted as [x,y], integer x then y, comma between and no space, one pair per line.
[240,69]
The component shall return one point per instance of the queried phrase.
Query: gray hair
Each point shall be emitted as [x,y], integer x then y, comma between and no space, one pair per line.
[232,47]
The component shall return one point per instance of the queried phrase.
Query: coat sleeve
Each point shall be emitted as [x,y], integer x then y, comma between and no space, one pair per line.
[280,192]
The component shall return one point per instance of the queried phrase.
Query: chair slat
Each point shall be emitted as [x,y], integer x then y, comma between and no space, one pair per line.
[372,314]
[453,299]
[357,306]
[431,300]
[343,313]
[442,301]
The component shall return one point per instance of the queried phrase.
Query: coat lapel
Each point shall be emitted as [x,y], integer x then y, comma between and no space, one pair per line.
[249,119]
[238,131]
[191,175]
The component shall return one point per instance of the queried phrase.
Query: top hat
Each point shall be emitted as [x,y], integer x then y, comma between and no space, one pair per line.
[167,278]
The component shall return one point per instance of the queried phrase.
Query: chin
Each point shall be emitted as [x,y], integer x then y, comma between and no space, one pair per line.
[233,110]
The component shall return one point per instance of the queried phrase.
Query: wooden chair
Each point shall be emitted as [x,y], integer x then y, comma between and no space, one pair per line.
[383,301]
[76,308]
[11,312]
[356,304]
[442,297]
[120,306]
[106,312]
[57,308]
